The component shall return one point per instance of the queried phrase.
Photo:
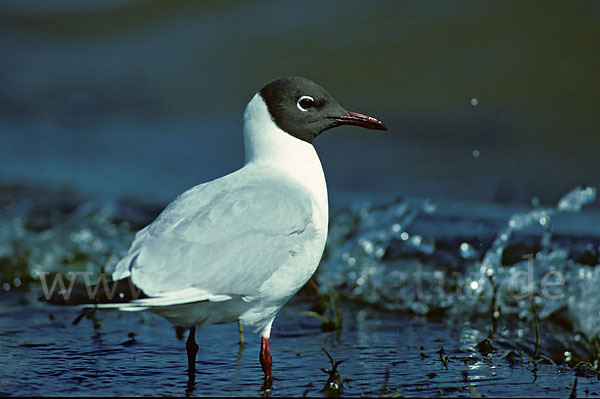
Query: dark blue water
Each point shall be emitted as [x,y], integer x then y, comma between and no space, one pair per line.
[382,353]
[108,110]
[436,299]
[146,97]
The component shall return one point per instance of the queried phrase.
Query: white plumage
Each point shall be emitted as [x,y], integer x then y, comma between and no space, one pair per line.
[240,246]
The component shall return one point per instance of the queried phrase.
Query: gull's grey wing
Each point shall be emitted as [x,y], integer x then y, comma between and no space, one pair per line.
[226,237]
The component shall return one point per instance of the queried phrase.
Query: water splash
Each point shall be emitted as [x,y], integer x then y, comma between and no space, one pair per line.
[58,231]
[374,255]
[547,274]
[358,244]
[413,257]
[575,199]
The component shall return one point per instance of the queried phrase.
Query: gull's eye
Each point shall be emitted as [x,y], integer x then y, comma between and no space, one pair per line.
[306,102]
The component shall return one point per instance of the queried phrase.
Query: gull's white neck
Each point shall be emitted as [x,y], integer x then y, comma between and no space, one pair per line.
[267,145]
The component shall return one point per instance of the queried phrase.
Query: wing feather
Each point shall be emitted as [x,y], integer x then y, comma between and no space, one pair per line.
[226,237]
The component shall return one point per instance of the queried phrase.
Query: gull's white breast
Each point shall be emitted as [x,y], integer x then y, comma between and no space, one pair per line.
[240,246]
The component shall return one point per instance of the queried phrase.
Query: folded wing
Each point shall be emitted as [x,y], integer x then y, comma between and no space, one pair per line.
[219,239]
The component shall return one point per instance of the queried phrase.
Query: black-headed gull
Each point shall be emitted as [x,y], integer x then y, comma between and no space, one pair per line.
[238,247]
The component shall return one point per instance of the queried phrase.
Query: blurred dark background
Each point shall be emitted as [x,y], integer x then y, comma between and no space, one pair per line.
[484,100]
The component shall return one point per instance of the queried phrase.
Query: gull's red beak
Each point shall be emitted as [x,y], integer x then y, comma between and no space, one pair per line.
[356,119]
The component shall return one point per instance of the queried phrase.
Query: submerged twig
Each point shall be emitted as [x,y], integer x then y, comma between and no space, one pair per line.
[335,383]
[537,328]
[387,391]
[84,312]
[472,390]
[495,310]
[573,394]
[241,331]
[596,365]
[444,358]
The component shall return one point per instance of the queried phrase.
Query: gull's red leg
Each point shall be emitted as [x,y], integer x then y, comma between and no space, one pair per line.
[192,350]
[266,360]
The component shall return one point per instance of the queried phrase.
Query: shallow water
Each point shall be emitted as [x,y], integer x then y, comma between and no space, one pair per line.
[410,274]
[382,353]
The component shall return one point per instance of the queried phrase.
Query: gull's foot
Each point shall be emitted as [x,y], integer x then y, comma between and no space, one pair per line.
[267,389]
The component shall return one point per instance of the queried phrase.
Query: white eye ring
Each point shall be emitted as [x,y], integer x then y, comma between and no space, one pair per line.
[302,99]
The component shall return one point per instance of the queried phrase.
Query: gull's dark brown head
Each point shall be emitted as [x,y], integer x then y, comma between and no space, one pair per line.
[304,109]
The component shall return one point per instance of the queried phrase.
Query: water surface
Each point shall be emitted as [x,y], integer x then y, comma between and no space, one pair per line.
[436,299]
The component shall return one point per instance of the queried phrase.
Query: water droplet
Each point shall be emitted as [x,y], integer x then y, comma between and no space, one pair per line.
[568,356]
[474,285]
[416,240]
[367,246]
[475,153]
[474,102]
[429,206]
[467,251]
[351,261]
[396,227]
[17,282]
[6,287]
[404,236]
